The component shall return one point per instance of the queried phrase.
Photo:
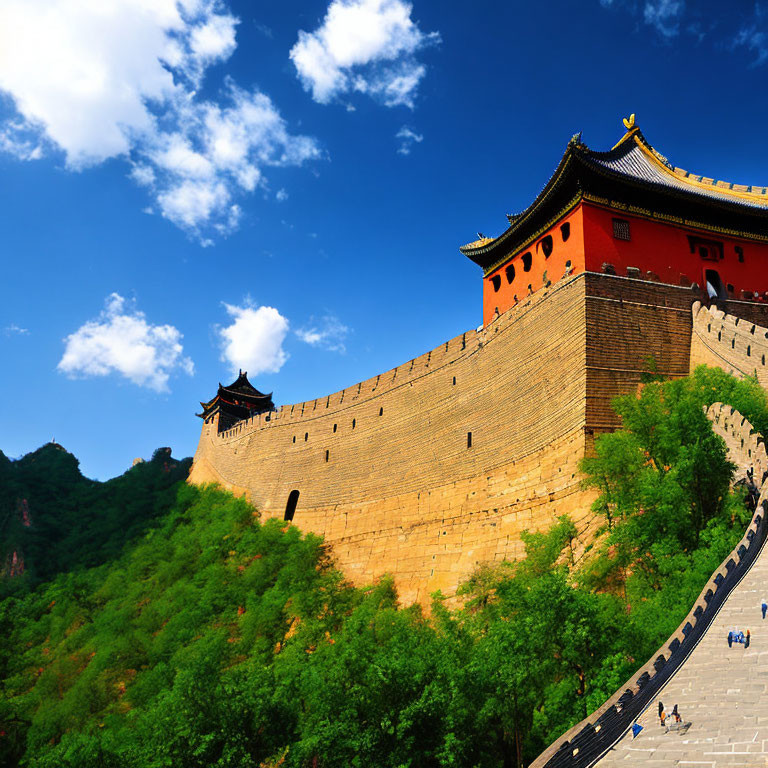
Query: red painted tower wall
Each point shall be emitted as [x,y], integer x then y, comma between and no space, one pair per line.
[567,257]
[660,250]
[664,250]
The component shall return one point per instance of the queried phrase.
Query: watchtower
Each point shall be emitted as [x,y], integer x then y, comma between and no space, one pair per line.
[629,212]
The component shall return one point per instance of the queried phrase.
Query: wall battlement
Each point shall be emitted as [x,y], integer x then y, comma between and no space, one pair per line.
[737,345]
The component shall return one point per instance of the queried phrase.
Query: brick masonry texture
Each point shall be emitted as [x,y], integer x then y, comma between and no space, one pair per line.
[402,493]
[733,343]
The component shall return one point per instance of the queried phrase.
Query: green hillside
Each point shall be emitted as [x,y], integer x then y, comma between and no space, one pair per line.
[158,624]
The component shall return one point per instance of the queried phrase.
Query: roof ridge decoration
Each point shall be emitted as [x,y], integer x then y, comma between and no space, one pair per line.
[749,192]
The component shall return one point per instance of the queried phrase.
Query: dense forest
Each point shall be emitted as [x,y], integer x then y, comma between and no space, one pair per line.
[147,623]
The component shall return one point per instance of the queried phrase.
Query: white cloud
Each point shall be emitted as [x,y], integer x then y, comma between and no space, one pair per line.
[99,80]
[121,341]
[365,46]
[253,341]
[329,333]
[664,15]
[753,35]
[408,137]
[281,196]
[15,330]
[753,39]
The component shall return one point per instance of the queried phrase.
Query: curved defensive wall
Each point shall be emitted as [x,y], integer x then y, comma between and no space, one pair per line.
[435,466]
[735,343]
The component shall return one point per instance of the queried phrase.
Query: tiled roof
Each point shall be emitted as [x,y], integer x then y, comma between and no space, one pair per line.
[479,243]
[635,158]
[632,163]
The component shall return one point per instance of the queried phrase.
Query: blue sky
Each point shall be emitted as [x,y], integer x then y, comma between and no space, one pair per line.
[188,188]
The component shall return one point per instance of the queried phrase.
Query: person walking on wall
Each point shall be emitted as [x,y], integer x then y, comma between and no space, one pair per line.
[661,708]
[763,607]
[676,714]
[746,640]
[730,638]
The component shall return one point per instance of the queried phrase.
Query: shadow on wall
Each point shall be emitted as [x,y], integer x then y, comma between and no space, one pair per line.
[290,507]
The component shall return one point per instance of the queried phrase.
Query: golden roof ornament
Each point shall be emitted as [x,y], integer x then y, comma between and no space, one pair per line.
[629,122]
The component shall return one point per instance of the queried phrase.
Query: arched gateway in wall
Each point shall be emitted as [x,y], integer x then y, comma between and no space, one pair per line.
[426,470]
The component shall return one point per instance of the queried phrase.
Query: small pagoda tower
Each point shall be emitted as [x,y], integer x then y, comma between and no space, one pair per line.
[240,400]
[629,212]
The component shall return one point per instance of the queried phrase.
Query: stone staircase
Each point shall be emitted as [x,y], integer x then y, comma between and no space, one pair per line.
[721,692]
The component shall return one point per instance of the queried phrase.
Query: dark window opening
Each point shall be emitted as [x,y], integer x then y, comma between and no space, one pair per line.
[749,351]
[294,438]
[326,455]
[469,439]
[454,381]
[714,285]
[733,343]
[290,507]
[510,272]
[547,245]
[353,423]
[719,335]
[496,282]
[306,436]
[335,426]
[565,230]
[709,250]
[381,411]
[763,359]
[709,327]
[527,259]
[740,253]
[621,229]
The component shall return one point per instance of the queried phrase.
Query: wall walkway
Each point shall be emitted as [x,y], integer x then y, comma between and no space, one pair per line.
[721,691]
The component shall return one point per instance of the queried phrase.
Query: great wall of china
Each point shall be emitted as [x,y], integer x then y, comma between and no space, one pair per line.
[722,693]
[436,466]
[448,527]
[385,468]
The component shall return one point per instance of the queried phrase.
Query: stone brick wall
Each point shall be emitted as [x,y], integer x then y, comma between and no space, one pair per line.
[634,327]
[737,345]
[401,492]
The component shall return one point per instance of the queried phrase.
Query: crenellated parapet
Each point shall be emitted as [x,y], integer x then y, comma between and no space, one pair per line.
[588,742]
[745,446]
[723,340]
[372,390]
